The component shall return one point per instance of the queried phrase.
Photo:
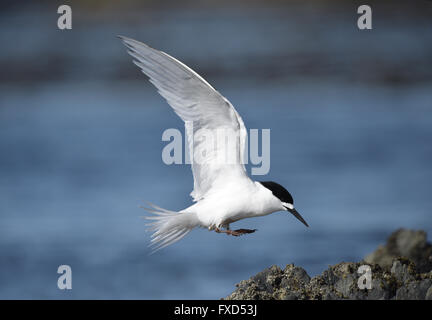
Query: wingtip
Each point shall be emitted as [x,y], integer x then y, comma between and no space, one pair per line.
[125,40]
[130,43]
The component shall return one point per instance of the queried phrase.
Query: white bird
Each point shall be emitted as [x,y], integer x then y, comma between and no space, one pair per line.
[223,193]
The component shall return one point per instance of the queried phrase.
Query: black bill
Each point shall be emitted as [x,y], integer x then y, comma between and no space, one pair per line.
[298,216]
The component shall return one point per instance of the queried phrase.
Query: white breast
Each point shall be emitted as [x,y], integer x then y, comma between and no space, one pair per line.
[235,202]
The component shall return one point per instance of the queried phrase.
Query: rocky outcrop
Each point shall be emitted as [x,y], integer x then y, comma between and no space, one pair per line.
[410,244]
[401,269]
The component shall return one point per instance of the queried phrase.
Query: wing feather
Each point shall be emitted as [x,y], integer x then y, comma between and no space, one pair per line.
[201,107]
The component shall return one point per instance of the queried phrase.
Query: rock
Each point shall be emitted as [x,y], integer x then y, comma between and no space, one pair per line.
[416,290]
[273,283]
[410,244]
[429,294]
[399,270]
[403,270]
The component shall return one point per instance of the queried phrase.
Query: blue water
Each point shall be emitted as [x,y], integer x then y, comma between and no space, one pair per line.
[78,157]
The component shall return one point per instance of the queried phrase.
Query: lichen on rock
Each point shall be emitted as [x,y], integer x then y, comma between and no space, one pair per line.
[402,269]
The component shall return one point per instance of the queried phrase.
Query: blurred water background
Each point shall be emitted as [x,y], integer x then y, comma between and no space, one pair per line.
[350,114]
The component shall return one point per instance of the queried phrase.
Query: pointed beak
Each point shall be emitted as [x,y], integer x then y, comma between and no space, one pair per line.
[297,215]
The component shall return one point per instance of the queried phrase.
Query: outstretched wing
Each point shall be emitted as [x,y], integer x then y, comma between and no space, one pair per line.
[204,110]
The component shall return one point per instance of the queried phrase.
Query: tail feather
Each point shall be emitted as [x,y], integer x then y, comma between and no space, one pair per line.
[168,226]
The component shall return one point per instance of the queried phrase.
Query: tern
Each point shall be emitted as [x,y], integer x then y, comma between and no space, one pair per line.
[223,193]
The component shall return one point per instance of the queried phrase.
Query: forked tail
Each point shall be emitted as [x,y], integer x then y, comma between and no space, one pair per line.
[169,226]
